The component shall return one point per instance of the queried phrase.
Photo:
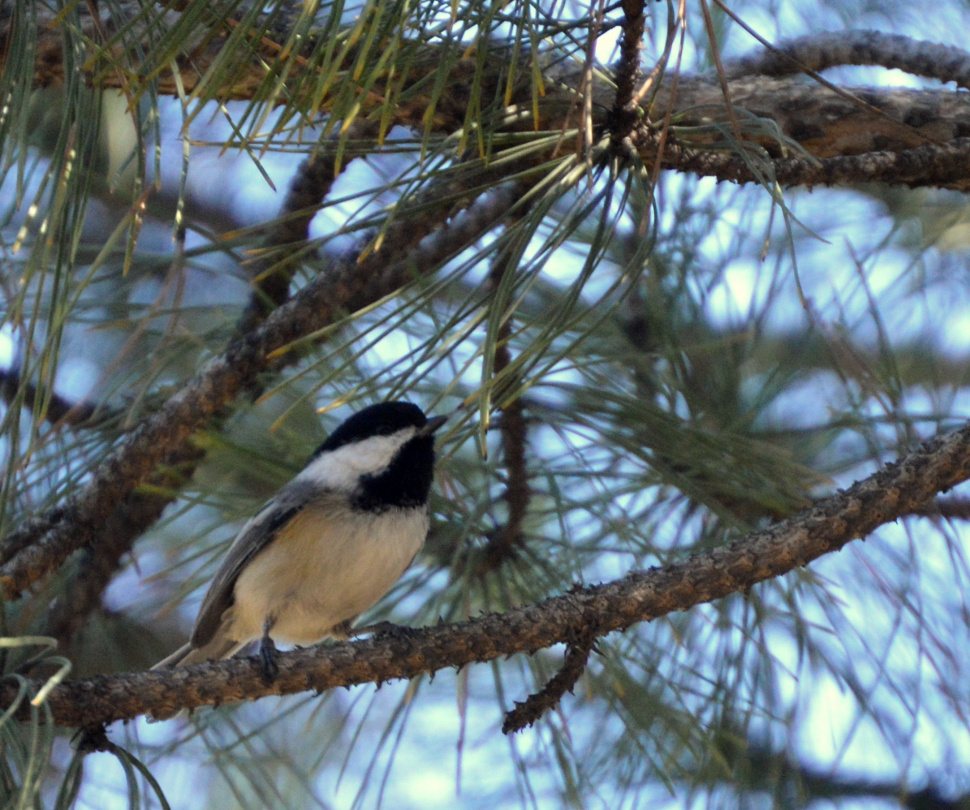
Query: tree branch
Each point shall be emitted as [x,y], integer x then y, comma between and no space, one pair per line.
[756,767]
[825,123]
[57,410]
[895,490]
[827,49]
[944,165]
[42,543]
[101,558]
[533,707]
[505,541]
[626,110]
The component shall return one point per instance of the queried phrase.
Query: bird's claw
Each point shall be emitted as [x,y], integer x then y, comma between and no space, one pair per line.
[269,669]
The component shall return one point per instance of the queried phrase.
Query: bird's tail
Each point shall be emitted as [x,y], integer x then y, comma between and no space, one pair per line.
[218,648]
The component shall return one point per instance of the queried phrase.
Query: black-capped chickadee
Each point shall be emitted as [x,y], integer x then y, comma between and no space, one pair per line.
[329,544]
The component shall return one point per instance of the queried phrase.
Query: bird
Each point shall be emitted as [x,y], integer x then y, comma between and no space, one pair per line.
[328,545]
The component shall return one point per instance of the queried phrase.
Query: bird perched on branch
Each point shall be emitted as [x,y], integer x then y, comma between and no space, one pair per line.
[328,545]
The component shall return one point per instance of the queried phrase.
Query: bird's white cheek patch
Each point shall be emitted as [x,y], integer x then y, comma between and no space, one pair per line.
[341,469]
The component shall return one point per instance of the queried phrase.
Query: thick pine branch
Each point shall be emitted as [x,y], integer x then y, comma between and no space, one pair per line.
[827,123]
[896,490]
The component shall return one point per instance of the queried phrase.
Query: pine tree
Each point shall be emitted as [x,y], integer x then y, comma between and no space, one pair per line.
[679,383]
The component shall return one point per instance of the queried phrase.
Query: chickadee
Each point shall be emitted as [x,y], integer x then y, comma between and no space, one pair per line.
[328,545]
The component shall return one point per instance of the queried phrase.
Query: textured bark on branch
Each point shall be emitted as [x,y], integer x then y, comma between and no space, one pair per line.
[824,122]
[894,491]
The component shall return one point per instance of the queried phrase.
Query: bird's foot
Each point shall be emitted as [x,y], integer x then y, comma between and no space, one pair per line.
[267,660]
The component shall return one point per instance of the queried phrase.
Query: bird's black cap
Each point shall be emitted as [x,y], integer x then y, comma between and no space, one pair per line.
[381,419]
[406,481]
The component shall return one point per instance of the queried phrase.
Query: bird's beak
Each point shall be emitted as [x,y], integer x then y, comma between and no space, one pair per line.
[433,424]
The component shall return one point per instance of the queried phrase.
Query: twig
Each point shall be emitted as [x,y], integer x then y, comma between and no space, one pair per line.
[815,52]
[626,110]
[58,410]
[504,541]
[533,707]
[895,490]
[944,165]
[758,767]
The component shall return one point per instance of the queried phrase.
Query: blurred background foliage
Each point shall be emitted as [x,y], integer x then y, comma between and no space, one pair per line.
[694,362]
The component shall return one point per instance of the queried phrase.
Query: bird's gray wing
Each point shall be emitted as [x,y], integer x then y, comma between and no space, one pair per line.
[258,532]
